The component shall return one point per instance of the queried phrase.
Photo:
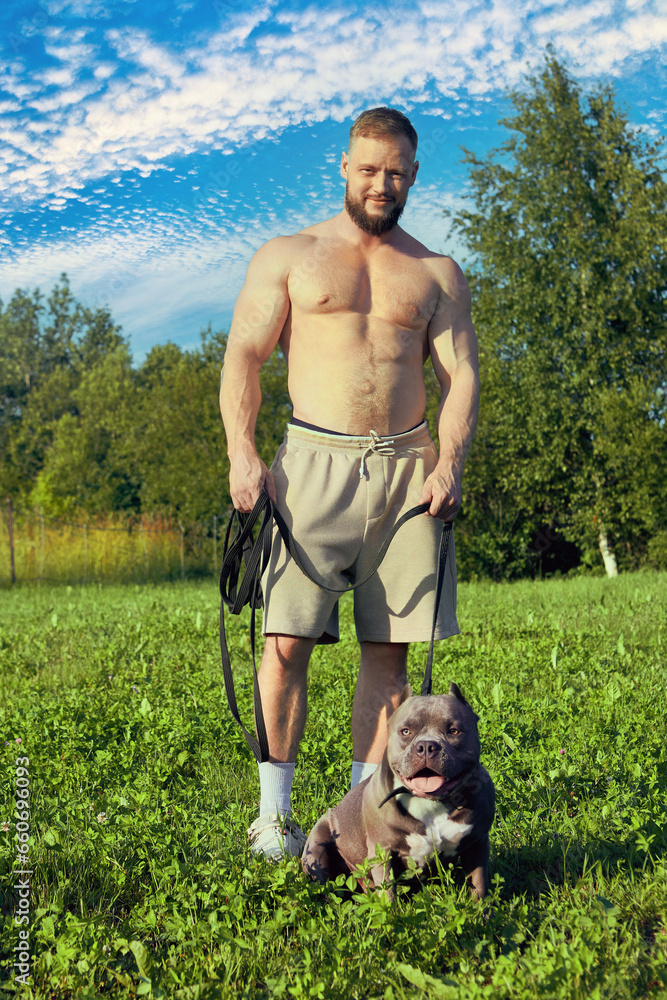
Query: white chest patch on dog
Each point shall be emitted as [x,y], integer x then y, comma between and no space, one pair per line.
[443,835]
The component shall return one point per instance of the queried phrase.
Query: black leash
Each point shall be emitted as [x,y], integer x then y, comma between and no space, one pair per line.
[256,552]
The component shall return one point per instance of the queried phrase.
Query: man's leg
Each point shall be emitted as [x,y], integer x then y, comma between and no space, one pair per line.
[282,683]
[382,678]
[283,687]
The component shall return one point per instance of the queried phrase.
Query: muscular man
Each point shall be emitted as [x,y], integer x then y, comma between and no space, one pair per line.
[357,306]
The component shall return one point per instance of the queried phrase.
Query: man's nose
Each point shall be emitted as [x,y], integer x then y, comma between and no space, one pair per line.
[382,182]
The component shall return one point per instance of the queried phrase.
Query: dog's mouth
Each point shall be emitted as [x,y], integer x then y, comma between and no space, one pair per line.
[428,782]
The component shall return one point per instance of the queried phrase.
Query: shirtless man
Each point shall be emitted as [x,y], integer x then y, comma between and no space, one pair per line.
[357,306]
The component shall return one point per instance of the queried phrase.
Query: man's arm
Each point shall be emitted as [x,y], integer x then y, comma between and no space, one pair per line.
[454,353]
[259,317]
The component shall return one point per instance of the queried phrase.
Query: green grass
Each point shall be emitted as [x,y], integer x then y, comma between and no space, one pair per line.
[142,789]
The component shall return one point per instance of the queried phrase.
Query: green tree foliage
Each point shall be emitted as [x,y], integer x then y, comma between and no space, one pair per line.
[177,440]
[569,290]
[83,428]
[90,464]
[44,358]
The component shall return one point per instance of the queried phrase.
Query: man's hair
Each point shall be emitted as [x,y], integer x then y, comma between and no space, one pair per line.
[379,122]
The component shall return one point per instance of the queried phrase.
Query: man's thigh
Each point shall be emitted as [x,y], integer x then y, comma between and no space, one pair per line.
[319,501]
[397,603]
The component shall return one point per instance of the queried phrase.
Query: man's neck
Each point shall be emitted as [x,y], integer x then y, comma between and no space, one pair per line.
[350,231]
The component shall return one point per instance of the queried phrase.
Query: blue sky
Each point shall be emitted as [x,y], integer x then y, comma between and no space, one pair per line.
[148,149]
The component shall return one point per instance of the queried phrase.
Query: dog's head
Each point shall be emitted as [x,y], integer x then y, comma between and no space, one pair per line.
[433,742]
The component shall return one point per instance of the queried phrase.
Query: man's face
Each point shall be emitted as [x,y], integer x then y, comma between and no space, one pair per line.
[379,174]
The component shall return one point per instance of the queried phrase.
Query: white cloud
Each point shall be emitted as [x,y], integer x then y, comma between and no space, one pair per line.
[229,89]
[92,9]
[573,19]
[57,77]
[103,70]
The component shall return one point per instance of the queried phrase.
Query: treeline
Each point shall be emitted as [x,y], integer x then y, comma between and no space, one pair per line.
[566,223]
[82,428]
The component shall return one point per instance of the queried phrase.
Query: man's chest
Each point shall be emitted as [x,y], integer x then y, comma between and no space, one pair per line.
[389,286]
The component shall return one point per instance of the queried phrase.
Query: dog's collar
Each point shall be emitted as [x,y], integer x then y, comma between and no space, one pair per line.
[467,775]
[393,792]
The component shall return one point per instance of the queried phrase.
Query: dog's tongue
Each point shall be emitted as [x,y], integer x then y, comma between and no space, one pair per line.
[427,784]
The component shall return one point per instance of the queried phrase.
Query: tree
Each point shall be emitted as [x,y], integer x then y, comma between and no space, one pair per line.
[44,360]
[178,440]
[88,465]
[569,284]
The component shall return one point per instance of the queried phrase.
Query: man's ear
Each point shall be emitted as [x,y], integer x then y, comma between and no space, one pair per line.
[344,160]
[415,168]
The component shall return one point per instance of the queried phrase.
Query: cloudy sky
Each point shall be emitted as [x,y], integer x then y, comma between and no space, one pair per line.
[148,149]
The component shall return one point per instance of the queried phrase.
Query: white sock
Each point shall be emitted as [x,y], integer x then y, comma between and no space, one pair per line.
[361,770]
[275,788]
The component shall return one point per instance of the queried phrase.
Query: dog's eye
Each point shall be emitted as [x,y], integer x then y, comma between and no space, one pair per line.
[453,731]
[406,732]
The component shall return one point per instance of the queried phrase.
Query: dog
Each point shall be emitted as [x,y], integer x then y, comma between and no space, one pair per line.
[429,796]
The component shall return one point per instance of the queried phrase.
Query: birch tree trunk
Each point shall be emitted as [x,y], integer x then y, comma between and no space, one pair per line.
[608,556]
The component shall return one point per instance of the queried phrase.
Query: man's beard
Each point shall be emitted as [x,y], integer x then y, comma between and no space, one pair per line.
[372,225]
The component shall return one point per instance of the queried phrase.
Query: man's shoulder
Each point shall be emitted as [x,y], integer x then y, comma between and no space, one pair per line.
[440,262]
[279,253]
[454,296]
[303,240]
[292,244]
[450,277]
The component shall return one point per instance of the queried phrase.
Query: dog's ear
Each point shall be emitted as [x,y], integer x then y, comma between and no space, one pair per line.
[407,693]
[456,691]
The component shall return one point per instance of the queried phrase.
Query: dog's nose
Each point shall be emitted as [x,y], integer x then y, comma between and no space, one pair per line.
[427,748]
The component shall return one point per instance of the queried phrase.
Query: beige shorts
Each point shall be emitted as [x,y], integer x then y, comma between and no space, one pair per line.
[340,497]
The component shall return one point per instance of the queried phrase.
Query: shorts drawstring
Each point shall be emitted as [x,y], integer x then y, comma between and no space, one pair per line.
[376,446]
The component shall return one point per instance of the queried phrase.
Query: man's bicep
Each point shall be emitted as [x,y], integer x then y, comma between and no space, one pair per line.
[452,337]
[262,307]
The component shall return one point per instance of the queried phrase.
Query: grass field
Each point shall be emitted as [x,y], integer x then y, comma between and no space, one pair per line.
[141,790]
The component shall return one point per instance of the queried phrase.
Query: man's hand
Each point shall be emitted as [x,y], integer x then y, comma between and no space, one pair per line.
[247,477]
[443,491]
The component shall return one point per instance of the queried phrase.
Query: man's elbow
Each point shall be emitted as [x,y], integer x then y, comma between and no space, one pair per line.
[461,378]
[241,357]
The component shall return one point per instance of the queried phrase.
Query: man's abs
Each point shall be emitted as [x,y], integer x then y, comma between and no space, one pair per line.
[353,374]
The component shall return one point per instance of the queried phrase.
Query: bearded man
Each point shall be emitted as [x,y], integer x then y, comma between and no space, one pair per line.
[357,305]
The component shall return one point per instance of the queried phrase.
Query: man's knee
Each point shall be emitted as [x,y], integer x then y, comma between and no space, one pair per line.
[290,652]
[385,657]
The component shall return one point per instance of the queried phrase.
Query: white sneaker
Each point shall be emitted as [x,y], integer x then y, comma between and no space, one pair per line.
[275,838]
